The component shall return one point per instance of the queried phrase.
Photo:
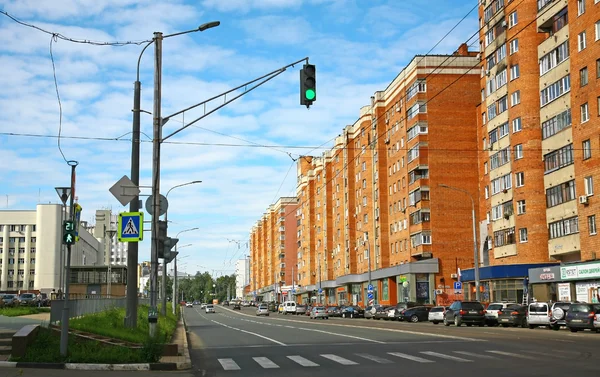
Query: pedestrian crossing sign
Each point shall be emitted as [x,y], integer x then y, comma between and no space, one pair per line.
[131,227]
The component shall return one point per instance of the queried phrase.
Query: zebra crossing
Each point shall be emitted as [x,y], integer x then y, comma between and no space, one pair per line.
[422,357]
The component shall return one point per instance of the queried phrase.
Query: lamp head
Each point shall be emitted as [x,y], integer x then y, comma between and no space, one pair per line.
[209,25]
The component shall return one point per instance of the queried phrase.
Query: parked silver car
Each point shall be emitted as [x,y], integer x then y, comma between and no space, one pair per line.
[319,312]
[301,309]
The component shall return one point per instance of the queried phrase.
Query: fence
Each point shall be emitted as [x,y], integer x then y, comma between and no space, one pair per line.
[80,307]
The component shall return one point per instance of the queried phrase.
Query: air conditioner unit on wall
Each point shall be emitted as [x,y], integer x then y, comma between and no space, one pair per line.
[583,199]
[454,276]
[439,291]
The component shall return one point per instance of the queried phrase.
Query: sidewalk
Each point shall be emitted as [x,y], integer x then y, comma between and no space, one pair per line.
[183,361]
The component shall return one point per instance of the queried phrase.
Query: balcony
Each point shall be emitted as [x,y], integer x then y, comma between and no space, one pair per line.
[561,246]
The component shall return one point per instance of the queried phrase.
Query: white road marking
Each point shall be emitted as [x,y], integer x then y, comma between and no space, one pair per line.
[374,358]
[265,362]
[374,328]
[546,354]
[473,354]
[249,332]
[342,335]
[410,357]
[447,357]
[302,361]
[512,354]
[229,364]
[339,359]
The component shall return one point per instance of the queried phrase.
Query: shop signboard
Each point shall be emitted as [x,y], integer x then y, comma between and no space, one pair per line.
[564,291]
[585,271]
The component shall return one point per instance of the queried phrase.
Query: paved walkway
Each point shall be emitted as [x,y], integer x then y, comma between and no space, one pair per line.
[16,323]
[180,338]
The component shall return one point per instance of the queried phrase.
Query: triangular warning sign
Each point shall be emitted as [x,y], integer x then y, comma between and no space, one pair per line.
[130,228]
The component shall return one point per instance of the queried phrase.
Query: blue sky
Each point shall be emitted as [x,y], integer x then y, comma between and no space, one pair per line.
[357,46]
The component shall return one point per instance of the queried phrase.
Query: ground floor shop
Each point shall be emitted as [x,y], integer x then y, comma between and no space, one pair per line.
[508,283]
[569,282]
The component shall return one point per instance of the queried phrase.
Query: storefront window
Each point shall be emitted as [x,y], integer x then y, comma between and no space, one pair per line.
[508,290]
[422,288]
[385,290]
[342,298]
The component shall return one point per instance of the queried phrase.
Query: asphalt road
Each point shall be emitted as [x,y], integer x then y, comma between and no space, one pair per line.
[234,343]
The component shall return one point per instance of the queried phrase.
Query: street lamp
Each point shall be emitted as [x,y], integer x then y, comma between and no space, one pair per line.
[164,276]
[475,253]
[175,271]
[157,125]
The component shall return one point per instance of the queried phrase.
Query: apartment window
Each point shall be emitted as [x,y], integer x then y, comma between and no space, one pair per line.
[512,19]
[520,179]
[523,235]
[560,20]
[592,224]
[585,114]
[364,166]
[558,159]
[521,207]
[560,194]
[514,46]
[516,125]
[504,237]
[514,72]
[598,68]
[515,98]
[487,192]
[554,58]
[485,168]
[500,158]
[502,130]
[518,151]
[491,110]
[597,28]
[587,149]
[588,183]
[502,104]
[581,41]
[556,124]
[583,76]
[364,183]
[501,184]
[563,227]
[555,90]
[580,7]
[501,79]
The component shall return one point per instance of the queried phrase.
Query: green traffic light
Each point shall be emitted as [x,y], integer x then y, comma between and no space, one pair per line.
[310,94]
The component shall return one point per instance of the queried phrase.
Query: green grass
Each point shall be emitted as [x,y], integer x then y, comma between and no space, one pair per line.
[46,349]
[22,310]
[110,323]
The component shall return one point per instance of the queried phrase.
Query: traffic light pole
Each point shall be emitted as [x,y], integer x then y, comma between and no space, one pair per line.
[64,322]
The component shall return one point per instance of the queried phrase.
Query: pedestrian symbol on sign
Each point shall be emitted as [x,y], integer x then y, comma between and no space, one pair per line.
[130,228]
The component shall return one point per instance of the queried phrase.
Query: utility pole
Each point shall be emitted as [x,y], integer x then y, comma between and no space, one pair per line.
[320,282]
[174,281]
[64,322]
[134,206]
[157,127]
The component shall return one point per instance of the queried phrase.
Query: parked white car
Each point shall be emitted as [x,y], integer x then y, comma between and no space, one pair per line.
[436,314]
[289,307]
[538,314]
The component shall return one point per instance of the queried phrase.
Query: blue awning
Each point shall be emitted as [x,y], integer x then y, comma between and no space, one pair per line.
[509,271]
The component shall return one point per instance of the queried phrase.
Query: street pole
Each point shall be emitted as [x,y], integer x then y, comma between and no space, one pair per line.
[134,206]
[64,322]
[174,281]
[110,233]
[320,282]
[475,253]
[368,255]
[157,128]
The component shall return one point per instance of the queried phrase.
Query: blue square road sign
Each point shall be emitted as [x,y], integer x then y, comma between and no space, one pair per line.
[131,227]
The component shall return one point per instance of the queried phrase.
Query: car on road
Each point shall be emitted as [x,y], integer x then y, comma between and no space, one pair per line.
[262,309]
[514,315]
[225,303]
[416,314]
[491,312]
[210,308]
[289,307]
[436,314]
[189,305]
[583,316]
[318,312]
[353,312]
[301,309]
[203,305]
[237,306]
[467,312]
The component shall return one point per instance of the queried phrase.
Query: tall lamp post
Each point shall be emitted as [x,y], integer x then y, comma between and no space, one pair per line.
[164,275]
[475,253]
[175,272]
[157,125]
[110,233]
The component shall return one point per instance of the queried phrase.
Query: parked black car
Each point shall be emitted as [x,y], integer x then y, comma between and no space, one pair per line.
[468,312]
[515,315]
[382,311]
[416,314]
[352,312]
[401,307]
[237,306]
[583,316]
[335,311]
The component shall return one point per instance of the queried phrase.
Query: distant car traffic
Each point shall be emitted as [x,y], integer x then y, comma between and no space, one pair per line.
[210,308]
[189,304]
[237,306]
[262,309]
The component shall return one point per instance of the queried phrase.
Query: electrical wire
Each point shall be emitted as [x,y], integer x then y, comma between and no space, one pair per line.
[60,36]
[52,40]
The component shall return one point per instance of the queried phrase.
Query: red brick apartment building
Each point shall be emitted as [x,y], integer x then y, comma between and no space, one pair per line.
[373,201]
[538,129]
[273,249]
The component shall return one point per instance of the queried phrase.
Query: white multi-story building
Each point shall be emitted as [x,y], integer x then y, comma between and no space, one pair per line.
[242,276]
[31,249]
[105,220]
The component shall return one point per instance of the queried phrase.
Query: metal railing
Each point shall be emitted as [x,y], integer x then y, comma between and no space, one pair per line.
[81,307]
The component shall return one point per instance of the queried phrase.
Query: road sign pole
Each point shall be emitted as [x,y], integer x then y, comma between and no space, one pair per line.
[64,323]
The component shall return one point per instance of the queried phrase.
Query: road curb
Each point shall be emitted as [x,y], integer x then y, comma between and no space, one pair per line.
[187,364]
[103,367]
